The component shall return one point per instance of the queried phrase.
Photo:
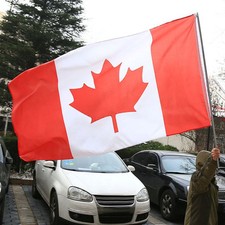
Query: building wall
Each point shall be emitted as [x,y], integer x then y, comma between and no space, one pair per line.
[217,84]
[183,144]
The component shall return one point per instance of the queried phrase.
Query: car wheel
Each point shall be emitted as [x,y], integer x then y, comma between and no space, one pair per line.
[168,205]
[54,210]
[34,190]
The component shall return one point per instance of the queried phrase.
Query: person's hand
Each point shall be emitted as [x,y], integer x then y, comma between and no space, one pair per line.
[215,153]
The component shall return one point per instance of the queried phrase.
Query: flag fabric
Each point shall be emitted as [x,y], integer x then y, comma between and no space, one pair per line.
[113,94]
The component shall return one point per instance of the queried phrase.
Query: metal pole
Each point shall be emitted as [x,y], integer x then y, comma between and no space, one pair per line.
[207,81]
[6,124]
[208,139]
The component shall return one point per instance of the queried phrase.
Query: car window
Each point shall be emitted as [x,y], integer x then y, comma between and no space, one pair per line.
[146,159]
[141,158]
[152,160]
[222,161]
[1,154]
[179,164]
[108,162]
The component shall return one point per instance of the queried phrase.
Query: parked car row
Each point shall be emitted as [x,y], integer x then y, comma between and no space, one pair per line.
[105,189]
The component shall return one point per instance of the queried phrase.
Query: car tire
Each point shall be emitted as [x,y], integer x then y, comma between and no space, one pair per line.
[2,207]
[54,210]
[35,192]
[168,205]
[7,188]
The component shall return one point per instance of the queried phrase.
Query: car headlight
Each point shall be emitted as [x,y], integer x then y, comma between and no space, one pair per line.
[78,194]
[142,195]
[188,188]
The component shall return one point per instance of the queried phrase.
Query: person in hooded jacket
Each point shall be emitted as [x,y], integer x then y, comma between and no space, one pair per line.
[202,200]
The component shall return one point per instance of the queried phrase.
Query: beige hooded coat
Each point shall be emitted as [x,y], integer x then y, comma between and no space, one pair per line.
[202,199]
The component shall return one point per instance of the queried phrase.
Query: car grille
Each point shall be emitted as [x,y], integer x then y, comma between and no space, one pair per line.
[114,200]
[221,195]
[115,209]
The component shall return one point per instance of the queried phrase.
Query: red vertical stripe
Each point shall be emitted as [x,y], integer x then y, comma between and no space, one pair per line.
[39,125]
[179,76]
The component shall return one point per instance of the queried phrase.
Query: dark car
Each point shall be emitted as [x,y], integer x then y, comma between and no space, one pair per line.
[166,175]
[221,169]
[5,163]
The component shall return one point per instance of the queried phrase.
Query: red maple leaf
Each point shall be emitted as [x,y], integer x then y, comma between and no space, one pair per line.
[110,96]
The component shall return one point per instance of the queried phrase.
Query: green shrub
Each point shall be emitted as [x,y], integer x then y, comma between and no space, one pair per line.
[150,145]
[12,146]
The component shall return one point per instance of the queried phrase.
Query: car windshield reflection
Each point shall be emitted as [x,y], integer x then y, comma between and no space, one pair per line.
[174,164]
[222,162]
[105,163]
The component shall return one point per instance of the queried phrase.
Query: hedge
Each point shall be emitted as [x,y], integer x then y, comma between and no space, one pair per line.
[151,145]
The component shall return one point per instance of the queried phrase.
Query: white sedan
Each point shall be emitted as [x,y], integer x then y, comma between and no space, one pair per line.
[91,190]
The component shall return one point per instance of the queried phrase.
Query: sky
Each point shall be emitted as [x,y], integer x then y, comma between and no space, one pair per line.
[108,19]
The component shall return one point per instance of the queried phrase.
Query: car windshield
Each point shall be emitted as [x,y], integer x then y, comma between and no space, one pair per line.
[222,162]
[105,163]
[179,164]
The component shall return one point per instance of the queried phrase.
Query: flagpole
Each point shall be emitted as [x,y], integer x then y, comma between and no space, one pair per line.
[207,83]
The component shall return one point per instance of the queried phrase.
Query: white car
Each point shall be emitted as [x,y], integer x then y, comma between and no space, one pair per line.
[97,189]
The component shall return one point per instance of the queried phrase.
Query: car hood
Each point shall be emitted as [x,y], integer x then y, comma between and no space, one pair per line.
[105,183]
[220,180]
[185,179]
[181,178]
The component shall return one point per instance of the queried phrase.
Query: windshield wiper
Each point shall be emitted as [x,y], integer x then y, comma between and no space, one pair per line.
[221,168]
[175,172]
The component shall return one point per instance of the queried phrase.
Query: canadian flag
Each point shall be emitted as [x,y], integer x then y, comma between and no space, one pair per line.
[113,94]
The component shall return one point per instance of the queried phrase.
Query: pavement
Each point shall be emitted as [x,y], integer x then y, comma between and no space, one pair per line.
[22,209]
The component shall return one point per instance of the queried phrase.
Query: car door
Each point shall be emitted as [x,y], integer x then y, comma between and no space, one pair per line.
[42,178]
[148,170]
[46,176]
[38,175]
[4,173]
[5,164]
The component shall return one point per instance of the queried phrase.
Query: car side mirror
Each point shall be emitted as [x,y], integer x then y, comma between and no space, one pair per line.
[131,168]
[49,164]
[8,158]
